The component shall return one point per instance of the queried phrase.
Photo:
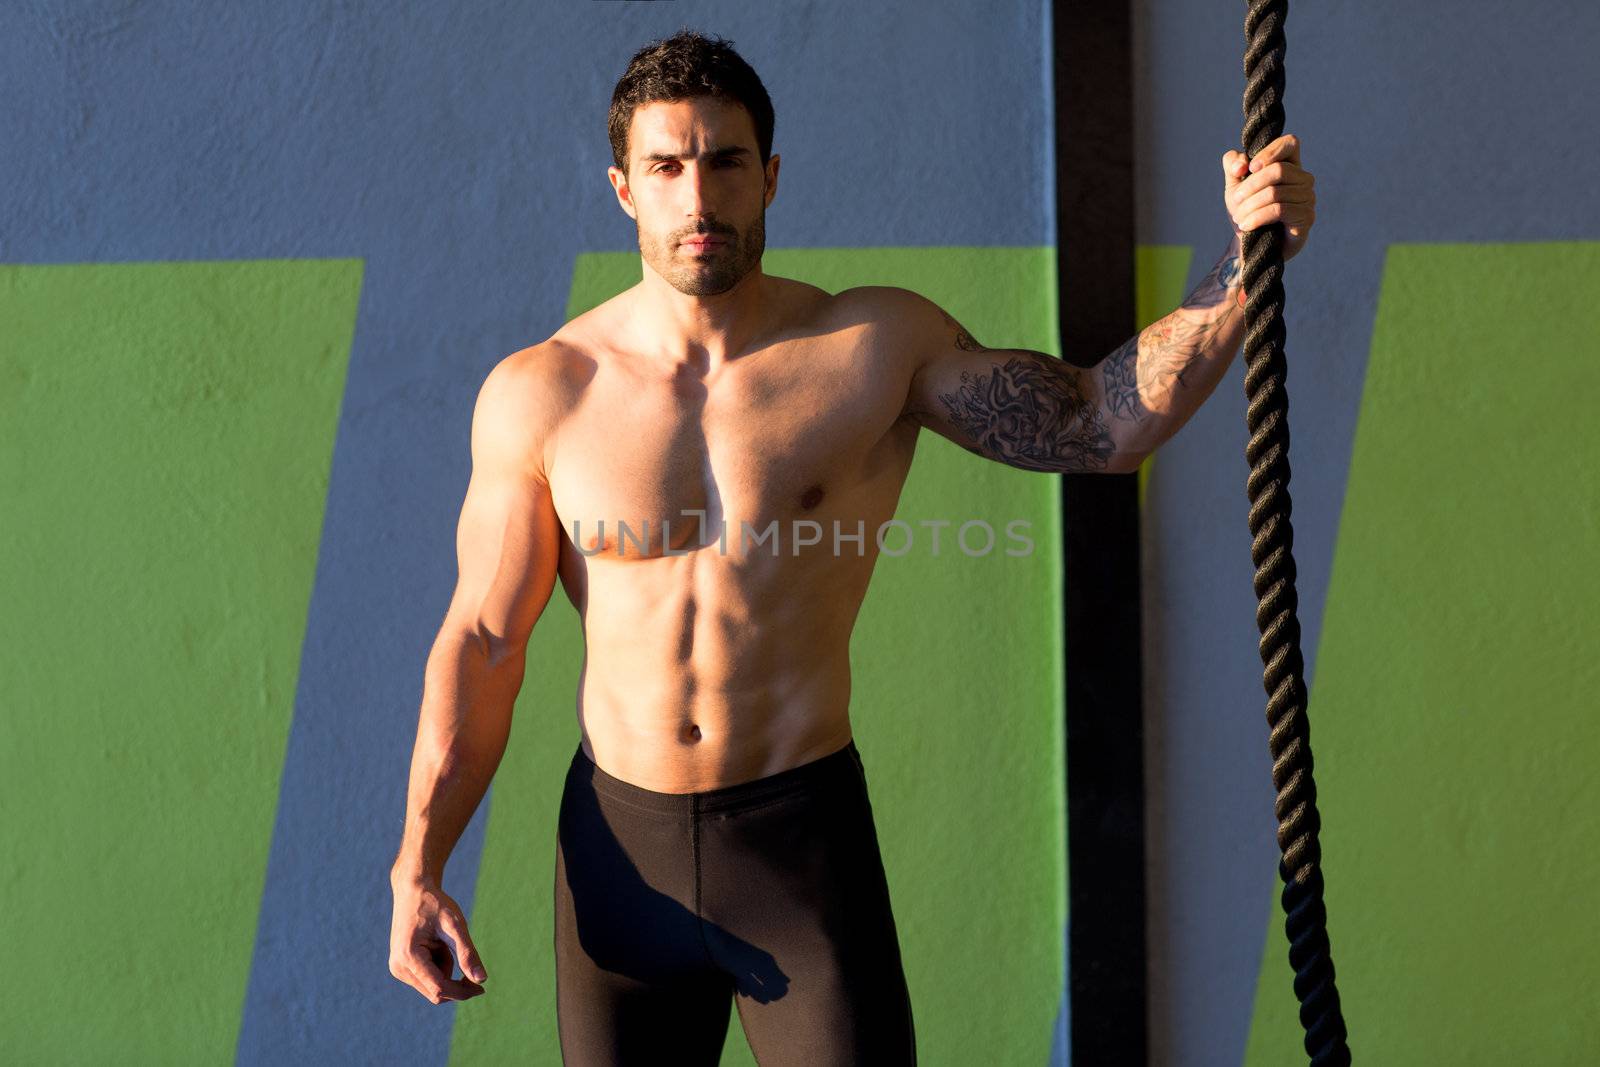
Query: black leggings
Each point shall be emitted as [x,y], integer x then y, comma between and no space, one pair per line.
[770,893]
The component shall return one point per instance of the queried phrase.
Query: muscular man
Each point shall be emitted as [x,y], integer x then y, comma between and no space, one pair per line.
[661,454]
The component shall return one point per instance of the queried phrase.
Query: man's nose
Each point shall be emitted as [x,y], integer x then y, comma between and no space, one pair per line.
[697,192]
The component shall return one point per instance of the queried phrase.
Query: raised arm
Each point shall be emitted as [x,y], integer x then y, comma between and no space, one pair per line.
[1023,408]
[506,551]
[1035,411]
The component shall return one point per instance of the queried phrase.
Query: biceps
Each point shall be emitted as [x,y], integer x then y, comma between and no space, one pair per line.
[1019,407]
[507,544]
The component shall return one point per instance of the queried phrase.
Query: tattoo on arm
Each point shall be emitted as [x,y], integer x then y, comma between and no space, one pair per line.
[1170,345]
[964,340]
[1028,411]
[1214,287]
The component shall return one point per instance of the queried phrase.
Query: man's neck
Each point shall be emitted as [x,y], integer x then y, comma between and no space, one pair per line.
[704,330]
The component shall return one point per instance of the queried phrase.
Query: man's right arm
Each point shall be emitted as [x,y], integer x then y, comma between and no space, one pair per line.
[506,547]
[507,543]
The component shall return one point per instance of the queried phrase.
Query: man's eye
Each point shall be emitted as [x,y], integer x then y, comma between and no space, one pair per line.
[666,166]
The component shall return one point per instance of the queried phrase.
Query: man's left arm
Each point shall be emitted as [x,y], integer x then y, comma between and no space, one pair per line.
[1034,411]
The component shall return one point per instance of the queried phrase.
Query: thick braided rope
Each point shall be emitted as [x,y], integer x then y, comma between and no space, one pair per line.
[1267,417]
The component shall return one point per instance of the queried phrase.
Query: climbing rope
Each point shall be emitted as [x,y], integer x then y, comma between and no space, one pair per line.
[1271,549]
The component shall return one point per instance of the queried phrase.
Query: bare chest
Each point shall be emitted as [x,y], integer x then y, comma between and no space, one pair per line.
[654,462]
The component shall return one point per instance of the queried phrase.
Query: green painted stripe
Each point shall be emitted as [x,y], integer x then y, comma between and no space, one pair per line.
[956,708]
[165,435]
[1453,713]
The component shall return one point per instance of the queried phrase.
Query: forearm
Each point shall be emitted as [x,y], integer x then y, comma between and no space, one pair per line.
[465,719]
[1155,382]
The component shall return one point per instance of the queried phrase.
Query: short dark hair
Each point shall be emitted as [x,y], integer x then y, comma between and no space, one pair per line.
[686,65]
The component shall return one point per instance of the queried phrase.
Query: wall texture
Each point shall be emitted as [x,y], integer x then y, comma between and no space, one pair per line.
[256,263]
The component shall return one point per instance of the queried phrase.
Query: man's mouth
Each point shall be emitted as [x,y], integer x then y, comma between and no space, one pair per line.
[705,242]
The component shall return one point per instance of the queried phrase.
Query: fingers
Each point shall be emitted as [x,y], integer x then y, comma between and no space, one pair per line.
[1285,152]
[1293,217]
[1286,193]
[1234,167]
[1271,187]
[436,991]
[429,974]
[1286,147]
[455,928]
[1274,175]
[422,959]
[424,980]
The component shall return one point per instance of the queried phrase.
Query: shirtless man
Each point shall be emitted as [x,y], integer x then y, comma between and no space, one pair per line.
[715,838]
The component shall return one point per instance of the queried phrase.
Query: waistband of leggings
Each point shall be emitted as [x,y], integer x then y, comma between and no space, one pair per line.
[818,773]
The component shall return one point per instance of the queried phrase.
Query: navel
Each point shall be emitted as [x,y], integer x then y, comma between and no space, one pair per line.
[812,497]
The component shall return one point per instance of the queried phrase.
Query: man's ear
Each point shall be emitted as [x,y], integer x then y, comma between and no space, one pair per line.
[619,185]
[772,177]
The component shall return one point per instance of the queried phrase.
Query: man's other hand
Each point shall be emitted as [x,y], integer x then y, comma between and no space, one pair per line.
[419,955]
[1272,187]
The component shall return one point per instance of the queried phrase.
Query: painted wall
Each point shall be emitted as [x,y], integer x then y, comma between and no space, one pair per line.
[1442,356]
[256,262]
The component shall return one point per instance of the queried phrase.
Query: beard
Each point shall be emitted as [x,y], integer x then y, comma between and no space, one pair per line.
[713,272]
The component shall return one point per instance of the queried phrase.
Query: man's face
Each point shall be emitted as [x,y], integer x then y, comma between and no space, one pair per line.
[694,169]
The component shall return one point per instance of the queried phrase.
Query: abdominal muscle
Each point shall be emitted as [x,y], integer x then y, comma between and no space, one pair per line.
[703,670]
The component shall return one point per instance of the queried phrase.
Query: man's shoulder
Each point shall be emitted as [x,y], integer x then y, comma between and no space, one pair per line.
[548,363]
[903,324]
[526,394]
[890,309]
[884,300]
[548,374]
[590,334]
